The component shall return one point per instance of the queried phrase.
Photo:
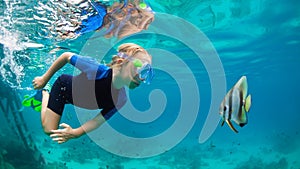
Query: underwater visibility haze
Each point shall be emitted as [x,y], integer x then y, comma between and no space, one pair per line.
[200,49]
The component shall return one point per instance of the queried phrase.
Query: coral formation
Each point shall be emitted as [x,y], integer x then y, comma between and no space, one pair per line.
[258,163]
[3,164]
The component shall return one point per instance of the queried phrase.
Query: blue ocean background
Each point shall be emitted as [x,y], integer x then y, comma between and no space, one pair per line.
[259,39]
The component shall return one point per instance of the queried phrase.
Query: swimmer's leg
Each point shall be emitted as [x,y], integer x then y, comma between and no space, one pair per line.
[49,118]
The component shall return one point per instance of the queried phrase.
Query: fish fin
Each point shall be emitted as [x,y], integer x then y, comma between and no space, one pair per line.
[231,126]
[242,124]
[223,121]
[247,103]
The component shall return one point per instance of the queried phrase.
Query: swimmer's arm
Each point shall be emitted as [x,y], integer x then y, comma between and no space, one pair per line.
[90,125]
[40,81]
[58,64]
[66,132]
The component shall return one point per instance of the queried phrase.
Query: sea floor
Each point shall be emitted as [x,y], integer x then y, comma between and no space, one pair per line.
[236,155]
[279,151]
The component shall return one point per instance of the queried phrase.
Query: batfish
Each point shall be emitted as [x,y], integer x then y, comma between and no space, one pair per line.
[236,104]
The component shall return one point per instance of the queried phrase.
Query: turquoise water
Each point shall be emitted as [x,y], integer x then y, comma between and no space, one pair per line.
[259,39]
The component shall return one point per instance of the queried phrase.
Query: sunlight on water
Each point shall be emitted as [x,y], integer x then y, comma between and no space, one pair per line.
[18,34]
[26,26]
[29,31]
[11,71]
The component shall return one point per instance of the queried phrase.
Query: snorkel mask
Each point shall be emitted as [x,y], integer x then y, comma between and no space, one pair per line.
[143,69]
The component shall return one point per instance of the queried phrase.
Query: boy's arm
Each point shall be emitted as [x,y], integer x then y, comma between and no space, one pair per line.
[90,125]
[67,132]
[40,81]
[58,64]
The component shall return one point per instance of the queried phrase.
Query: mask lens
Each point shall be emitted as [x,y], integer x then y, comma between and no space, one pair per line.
[144,70]
[146,73]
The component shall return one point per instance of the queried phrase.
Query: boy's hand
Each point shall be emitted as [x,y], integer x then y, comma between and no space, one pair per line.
[38,82]
[63,135]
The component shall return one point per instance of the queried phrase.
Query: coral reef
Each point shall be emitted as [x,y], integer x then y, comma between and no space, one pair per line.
[283,143]
[5,165]
[55,165]
[90,151]
[13,154]
[258,163]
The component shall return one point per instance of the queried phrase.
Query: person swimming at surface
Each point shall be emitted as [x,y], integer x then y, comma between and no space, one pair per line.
[118,20]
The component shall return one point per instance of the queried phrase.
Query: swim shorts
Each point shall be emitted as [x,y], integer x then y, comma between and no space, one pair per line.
[61,94]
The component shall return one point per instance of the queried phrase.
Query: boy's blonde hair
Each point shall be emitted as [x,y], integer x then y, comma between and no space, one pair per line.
[130,49]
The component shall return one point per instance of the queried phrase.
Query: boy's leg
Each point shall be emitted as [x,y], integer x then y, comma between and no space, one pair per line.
[49,118]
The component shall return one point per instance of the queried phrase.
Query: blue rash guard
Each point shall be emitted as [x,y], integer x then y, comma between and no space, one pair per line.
[93,22]
[91,89]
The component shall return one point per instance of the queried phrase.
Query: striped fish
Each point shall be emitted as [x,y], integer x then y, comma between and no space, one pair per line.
[236,104]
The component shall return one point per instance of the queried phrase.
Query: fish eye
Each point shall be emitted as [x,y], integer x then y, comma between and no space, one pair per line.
[225,108]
